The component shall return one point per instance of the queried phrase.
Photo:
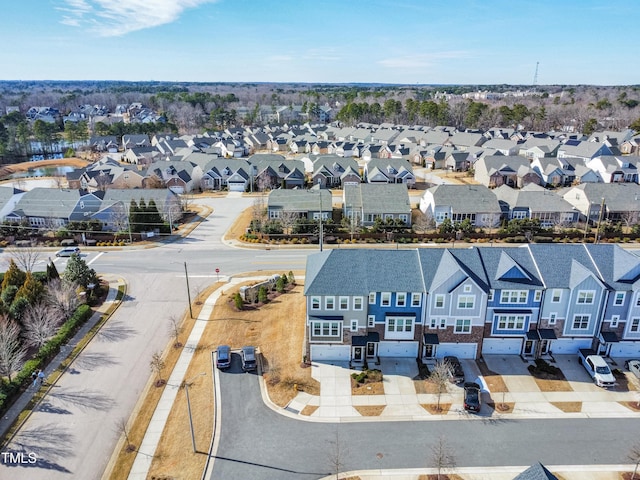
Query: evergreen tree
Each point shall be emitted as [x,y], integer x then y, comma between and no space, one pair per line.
[32,289]
[52,272]
[78,272]
[153,218]
[134,216]
[13,276]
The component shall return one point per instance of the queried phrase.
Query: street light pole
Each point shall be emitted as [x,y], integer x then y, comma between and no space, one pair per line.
[186,389]
[186,276]
[321,232]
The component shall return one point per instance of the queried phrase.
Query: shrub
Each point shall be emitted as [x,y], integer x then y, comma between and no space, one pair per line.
[262,295]
[237,299]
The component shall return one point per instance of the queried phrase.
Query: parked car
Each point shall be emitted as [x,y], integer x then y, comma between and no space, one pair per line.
[456,374]
[472,397]
[633,366]
[67,252]
[248,359]
[223,357]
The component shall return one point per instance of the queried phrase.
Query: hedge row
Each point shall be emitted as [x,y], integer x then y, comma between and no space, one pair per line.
[9,390]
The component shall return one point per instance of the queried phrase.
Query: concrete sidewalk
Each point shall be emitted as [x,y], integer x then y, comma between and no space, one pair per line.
[23,400]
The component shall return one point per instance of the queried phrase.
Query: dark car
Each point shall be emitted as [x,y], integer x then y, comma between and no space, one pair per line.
[248,359]
[223,357]
[456,374]
[472,398]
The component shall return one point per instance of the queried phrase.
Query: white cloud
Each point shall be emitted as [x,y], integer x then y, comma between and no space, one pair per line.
[420,60]
[118,17]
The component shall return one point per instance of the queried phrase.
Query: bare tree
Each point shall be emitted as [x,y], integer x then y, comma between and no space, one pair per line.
[440,378]
[630,218]
[62,296]
[121,426]
[119,218]
[40,323]
[259,210]
[442,456]
[175,329]
[157,365]
[423,222]
[12,352]
[634,456]
[25,257]
[288,220]
[337,454]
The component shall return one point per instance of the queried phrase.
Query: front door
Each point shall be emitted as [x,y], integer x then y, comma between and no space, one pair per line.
[528,347]
[371,349]
[544,347]
[357,354]
[428,350]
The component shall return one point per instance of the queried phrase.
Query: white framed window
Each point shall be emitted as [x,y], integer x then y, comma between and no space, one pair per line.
[404,217]
[510,322]
[466,288]
[371,321]
[439,301]
[490,296]
[635,325]
[399,328]
[401,299]
[638,301]
[581,322]
[463,325]
[357,303]
[538,296]
[315,303]
[344,303]
[329,303]
[513,296]
[372,298]
[466,301]
[585,297]
[552,318]
[556,296]
[326,329]
[614,320]
[385,299]
[619,299]
[443,323]
[416,299]
[433,323]
[354,325]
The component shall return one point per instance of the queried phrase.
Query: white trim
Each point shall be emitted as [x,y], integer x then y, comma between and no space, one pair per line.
[463,326]
[615,298]
[372,298]
[553,316]
[415,296]
[436,298]
[340,299]
[514,296]
[319,303]
[333,303]
[465,300]
[553,295]
[586,294]
[355,302]
[583,316]
[395,327]
[404,297]
[385,299]
[614,321]
[354,325]
[371,321]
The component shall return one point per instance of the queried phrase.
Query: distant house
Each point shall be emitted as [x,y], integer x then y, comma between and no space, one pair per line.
[535,202]
[178,176]
[309,204]
[331,171]
[131,141]
[389,170]
[273,171]
[232,174]
[495,170]
[621,201]
[583,150]
[615,168]
[370,202]
[476,203]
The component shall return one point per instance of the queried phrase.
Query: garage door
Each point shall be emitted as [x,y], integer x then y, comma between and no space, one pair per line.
[398,349]
[330,352]
[569,347]
[501,346]
[625,349]
[236,187]
[460,350]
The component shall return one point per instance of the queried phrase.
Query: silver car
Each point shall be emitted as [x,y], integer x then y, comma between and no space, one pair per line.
[67,252]
[633,366]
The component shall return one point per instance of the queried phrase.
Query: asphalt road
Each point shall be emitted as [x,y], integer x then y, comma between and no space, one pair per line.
[260,444]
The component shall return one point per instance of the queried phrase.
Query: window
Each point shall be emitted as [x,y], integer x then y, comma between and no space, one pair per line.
[404,217]
[399,328]
[433,323]
[585,297]
[635,325]
[490,296]
[581,322]
[344,303]
[466,288]
[443,323]
[439,301]
[315,303]
[538,296]
[466,301]
[354,325]
[385,299]
[638,301]
[357,303]
[463,326]
[619,299]
[326,329]
[511,322]
[614,320]
[513,296]
[552,318]
[401,299]
[416,299]
[329,303]
[371,320]
[556,295]
[372,298]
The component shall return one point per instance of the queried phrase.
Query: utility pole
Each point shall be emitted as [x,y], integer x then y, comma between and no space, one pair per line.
[321,232]
[186,276]
[600,215]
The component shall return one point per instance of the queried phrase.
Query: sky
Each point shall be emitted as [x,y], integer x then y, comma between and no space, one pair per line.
[475,42]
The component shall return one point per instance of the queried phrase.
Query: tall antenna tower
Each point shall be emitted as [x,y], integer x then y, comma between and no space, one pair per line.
[535,76]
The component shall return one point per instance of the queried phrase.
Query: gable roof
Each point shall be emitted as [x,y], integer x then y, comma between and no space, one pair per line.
[466,198]
[536,472]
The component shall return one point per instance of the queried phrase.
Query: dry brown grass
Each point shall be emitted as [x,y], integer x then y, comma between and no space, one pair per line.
[568,407]
[24,166]
[433,409]
[443,476]
[547,385]
[240,226]
[147,406]
[502,407]
[493,380]
[372,388]
[370,410]
[309,410]
[635,406]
